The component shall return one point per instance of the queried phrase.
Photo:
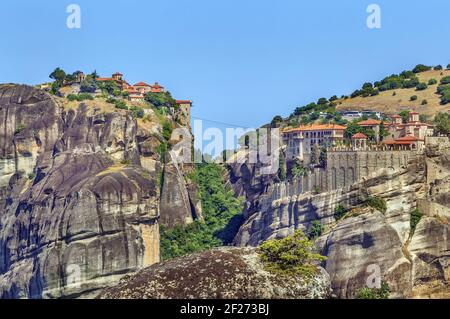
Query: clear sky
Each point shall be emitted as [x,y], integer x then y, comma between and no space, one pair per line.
[241,61]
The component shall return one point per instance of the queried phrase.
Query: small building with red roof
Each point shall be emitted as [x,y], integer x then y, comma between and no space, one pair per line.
[156,88]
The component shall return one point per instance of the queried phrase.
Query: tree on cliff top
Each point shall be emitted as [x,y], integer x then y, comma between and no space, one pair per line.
[58,75]
[292,255]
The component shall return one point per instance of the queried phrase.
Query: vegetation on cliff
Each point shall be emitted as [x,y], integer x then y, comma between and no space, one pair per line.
[292,255]
[221,211]
[374,293]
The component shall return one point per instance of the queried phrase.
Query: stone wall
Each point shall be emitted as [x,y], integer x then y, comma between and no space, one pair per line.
[344,168]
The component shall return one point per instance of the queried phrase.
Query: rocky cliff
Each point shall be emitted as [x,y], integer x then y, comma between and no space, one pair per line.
[79,195]
[414,263]
[223,273]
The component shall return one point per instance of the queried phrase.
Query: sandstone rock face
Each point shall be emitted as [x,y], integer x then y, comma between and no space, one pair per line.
[414,264]
[230,273]
[79,196]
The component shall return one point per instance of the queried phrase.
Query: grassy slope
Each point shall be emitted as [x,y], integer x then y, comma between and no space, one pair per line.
[389,104]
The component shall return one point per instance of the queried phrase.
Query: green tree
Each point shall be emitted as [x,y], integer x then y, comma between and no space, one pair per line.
[445,80]
[413,98]
[432,82]
[292,255]
[421,68]
[315,230]
[415,217]
[161,99]
[276,120]
[58,75]
[442,124]
[405,116]
[421,86]
[339,212]
[378,203]
[88,85]
[374,293]
[438,67]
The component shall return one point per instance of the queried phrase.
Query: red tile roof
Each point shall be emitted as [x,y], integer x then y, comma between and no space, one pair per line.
[183,102]
[408,138]
[141,84]
[104,79]
[317,127]
[359,136]
[118,73]
[369,122]
[156,85]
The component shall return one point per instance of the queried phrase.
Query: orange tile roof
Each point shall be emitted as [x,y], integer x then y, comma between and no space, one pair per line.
[117,73]
[183,102]
[141,84]
[369,122]
[156,85]
[409,138]
[104,79]
[396,116]
[359,136]
[317,127]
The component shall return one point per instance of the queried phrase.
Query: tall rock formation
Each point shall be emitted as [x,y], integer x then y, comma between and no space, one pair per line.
[79,195]
[414,263]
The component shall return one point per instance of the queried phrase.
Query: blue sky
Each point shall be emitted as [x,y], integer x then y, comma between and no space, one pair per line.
[241,62]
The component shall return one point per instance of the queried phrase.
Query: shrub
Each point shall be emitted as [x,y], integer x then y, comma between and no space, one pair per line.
[378,203]
[374,293]
[424,102]
[80,97]
[119,104]
[445,98]
[432,82]
[138,112]
[298,170]
[413,98]
[445,80]
[421,68]
[292,255]
[339,212]
[415,217]
[421,86]
[72,97]
[31,176]
[375,92]
[315,230]
[442,123]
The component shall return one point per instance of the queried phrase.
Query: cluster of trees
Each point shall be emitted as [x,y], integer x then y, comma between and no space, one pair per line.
[404,80]
[161,99]
[61,78]
[311,112]
[444,90]
[222,213]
